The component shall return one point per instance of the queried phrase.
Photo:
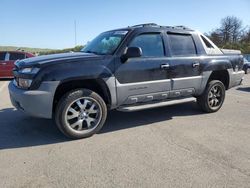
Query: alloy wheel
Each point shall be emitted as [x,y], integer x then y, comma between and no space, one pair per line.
[215,97]
[83,114]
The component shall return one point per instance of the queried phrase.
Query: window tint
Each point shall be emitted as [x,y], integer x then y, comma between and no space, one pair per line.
[208,44]
[16,56]
[2,56]
[151,44]
[181,45]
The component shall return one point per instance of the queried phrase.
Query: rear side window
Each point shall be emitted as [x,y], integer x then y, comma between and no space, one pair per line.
[16,56]
[181,45]
[2,56]
[150,43]
[207,43]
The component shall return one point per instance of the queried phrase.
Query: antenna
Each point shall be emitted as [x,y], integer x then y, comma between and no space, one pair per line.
[75,33]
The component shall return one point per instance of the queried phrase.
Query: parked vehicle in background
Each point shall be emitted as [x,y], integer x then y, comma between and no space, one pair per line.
[129,69]
[247,56]
[246,66]
[7,60]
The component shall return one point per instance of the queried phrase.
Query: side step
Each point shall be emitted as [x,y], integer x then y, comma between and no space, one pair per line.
[155,105]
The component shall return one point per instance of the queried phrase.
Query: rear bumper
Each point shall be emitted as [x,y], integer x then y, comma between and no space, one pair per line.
[236,78]
[38,103]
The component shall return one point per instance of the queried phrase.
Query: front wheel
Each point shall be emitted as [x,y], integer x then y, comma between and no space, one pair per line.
[213,97]
[80,113]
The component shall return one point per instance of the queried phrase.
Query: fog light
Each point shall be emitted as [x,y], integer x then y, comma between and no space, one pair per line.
[24,83]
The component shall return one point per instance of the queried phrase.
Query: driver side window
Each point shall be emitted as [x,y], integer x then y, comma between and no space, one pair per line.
[150,43]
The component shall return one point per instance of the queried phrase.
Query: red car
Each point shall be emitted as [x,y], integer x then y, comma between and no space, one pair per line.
[7,59]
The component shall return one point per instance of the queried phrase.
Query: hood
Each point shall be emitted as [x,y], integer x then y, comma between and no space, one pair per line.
[45,59]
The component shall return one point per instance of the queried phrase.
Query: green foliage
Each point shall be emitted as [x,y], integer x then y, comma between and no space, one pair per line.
[75,49]
[244,47]
[41,51]
[31,50]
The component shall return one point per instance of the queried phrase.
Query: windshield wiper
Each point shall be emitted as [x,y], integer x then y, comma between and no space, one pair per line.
[92,52]
[89,52]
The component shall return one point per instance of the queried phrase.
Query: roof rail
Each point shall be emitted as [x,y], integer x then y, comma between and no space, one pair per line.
[181,27]
[145,25]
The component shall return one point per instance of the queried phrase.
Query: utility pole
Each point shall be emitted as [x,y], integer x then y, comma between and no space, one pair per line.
[75,34]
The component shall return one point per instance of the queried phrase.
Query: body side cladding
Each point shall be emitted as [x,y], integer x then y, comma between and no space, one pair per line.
[111,86]
[102,86]
[235,78]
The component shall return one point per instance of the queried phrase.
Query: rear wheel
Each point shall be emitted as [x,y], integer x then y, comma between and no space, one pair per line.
[80,113]
[213,97]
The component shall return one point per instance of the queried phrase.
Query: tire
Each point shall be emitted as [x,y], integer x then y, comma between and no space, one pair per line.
[80,113]
[246,71]
[211,101]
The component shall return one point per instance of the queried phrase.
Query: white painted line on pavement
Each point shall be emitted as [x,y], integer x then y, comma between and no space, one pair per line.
[3,86]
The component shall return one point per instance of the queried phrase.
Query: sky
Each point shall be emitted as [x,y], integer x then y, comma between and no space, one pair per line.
[50,23]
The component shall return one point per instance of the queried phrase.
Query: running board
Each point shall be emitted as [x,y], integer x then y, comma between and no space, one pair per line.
[155,105]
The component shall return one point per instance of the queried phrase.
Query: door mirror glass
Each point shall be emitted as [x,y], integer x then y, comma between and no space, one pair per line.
[132,52]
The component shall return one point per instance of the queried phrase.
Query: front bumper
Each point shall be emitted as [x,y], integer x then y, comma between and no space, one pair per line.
[38,103]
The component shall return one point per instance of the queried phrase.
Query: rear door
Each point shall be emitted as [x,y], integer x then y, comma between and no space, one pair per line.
[185,70]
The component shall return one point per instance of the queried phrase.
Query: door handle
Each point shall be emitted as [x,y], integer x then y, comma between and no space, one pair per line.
[3,63]
[196,64]
[165,66]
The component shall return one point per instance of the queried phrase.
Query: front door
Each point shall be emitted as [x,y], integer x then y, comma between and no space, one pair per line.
[145,78]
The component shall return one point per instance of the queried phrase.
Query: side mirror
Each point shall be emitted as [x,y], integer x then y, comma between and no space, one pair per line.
[131,52]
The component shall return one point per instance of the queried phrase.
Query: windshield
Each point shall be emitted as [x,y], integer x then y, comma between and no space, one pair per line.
[106,43]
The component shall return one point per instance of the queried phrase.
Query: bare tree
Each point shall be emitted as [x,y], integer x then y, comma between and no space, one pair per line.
[217,37]
[246,36]
[237,29]
[231,28]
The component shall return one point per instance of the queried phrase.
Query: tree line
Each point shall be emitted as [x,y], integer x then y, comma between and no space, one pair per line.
[232,34]
[75,49]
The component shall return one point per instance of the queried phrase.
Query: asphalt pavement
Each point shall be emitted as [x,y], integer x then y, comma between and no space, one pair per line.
[174,146]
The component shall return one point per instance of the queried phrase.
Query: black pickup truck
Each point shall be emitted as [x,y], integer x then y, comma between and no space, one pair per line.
[128,69]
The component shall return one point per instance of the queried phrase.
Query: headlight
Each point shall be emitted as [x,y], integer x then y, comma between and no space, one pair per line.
[31,70]
[24,83]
